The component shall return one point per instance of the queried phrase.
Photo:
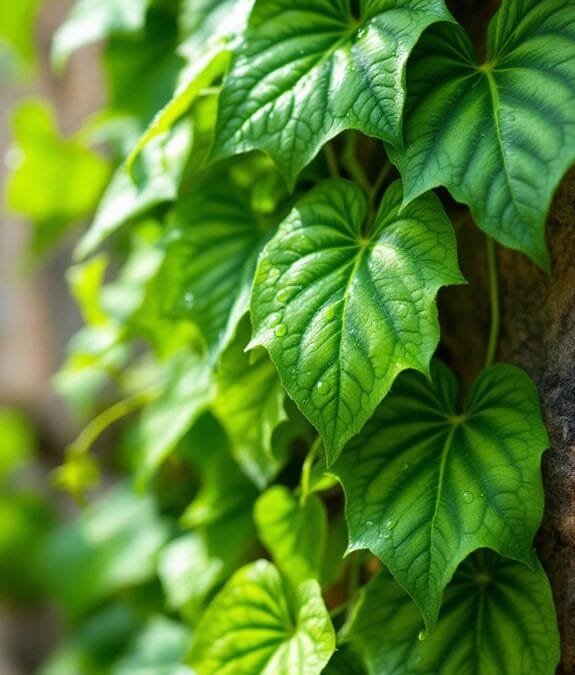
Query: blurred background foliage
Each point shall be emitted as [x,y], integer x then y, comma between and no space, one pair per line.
[87,586]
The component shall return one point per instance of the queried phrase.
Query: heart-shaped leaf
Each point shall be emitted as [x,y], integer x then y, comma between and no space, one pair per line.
[342,310]
[427,484]
[499,135]
[498,617]
[257,626]
[309,69]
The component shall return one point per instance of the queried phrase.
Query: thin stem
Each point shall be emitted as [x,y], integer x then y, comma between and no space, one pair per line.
[99,424]
[379,181]
[494,301]
[353,166]
[308,463]
[354,573]
[331,160]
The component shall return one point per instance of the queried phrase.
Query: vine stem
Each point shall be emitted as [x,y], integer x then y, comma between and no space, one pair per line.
[494,301]
[308,463]
[331,160]
[99,424]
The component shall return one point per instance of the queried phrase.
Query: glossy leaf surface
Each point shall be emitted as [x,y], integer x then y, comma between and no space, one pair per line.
[427,484]
[499,135]
[498,617]
[343,310]
[290,90]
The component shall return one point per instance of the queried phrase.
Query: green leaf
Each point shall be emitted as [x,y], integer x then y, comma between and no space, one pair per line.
[499,135]
[112,546]
[498,617]
[157,650]
[257,626]
[343,310]
[250,405]
[19,442]
[426,484]
[291,90]
[192,566]
[187,392]
[295,534]
[217,232]
[56,181]
[92,20]
[160,169]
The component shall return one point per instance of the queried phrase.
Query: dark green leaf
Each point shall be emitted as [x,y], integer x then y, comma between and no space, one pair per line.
[499,135]
[427,484]
[498,617]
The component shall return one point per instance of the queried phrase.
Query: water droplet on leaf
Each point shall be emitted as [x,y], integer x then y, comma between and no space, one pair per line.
[468,497]
[280,330]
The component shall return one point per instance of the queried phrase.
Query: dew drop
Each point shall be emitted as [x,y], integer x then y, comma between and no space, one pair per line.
[189,299]
[369,523]
[280,330]
[390,524]
[322,387]
[423,635]
[405,466]
[468,497]
[282,296]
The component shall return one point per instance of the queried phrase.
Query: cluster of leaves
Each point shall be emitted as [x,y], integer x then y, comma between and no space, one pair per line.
[267,312]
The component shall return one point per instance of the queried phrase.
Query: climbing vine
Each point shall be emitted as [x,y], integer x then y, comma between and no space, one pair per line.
[323,494]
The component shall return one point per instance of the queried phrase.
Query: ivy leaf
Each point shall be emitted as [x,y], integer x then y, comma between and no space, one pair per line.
[342,311]
[257,626]
[498,617]
[426,484]
[217,232]
[499,135]
[250,405]
[295,534]
[290,91]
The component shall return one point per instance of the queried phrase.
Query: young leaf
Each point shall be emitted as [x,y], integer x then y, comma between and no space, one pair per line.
[290,90]
[342,310]
[250,405]
[257,626]
[216,235]
[498,617]
[425,484]
[294,534]
[499,135]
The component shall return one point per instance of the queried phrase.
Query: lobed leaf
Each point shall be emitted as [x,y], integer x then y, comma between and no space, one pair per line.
[499,135]
[426,484]
[498,617]
[309,69]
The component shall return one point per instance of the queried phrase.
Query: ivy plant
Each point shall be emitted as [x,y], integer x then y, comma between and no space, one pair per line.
[259,285]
